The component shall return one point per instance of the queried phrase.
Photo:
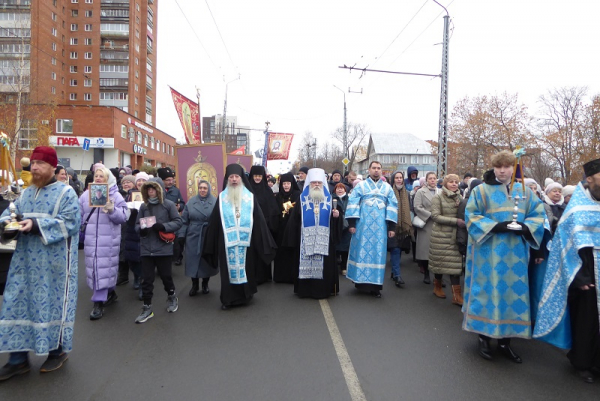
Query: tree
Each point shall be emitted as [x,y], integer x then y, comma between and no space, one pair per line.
[561,130]
[356,134]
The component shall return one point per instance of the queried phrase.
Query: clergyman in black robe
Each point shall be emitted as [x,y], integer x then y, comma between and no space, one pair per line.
[261,250]
[296,236]
[266,199]
[285,268]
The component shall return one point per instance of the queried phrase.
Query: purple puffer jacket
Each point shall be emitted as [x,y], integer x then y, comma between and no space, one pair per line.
[102,240]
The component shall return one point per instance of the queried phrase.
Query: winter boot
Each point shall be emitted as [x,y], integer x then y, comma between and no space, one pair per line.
[437,288]
[457,298]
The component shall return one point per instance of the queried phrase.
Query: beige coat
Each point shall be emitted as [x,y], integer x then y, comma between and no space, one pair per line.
[422,205]
[444,257]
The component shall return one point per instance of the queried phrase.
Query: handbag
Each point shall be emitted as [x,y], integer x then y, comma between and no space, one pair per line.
[167,237]
[82,229]
[418,222]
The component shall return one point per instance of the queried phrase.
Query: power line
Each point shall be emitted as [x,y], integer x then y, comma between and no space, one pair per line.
[221,36]
[195,34]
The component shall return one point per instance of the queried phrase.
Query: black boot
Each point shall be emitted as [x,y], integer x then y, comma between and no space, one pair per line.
[96,311]
[195,287]
[484,348]
[426,278]
[205,289]
[504,347]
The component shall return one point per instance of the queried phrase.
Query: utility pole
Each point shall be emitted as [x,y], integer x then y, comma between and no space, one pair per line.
[225,109]
[443,124]
[345,138]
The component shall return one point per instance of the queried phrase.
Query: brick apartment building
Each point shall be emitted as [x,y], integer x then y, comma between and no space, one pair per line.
[231,134]
[85,54]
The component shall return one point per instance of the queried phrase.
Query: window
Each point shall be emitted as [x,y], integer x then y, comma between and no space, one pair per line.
[74,27]
[114,68]
[53,75]
[74,13]
[88,41]
[146,140]
[139,137]
[136,101]
[53,90]
[73,69]
[74,1]
[163,147]
[53,46]
[64,126]
[148,66]
[157,144]
[54,17]
[414,160]
[74,41]
[89,1]
[87,82]
[137,33]
[151,143]
[27,134]
[73,55]
[88,55]
[123,131]
[87,69]
[54,32]
[87,96]
[87,27]
[137,6]
[73,82]
[402,159]
[72,96]
[425,159]
[136,87]
[53,61]
[88,13]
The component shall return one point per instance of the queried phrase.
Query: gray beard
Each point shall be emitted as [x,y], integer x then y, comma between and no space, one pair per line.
[316,194]
[235,194]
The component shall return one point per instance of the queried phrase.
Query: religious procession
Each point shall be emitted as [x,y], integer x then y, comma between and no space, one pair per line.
[521,259]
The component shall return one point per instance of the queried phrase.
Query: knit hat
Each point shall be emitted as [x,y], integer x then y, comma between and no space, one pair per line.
[141,175]
[45,154]
[130,178]
[548,181]
[97,166]
[304,169]
[552,186]
[568,190]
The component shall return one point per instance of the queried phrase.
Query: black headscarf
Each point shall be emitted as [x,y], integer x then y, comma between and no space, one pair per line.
[265,197]
[239,170]
[294,192]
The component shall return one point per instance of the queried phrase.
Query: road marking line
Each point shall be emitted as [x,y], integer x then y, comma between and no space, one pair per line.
[350,376]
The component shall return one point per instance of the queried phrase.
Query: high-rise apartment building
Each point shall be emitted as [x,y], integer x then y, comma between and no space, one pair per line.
[231,134]
[80,52]
[60,53]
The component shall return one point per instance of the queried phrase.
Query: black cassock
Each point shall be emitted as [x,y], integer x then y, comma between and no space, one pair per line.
[329,284]
[262,250]
[287,258]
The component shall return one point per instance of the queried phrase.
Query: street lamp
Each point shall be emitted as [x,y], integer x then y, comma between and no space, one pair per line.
[225,108]
[345,137]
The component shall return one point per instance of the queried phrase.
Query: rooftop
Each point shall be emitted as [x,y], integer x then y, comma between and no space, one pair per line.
[403,144]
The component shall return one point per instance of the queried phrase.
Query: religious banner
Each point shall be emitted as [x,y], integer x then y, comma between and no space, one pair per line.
[239,151]
[243,160]
[279,146]
[200,162]
[189,115]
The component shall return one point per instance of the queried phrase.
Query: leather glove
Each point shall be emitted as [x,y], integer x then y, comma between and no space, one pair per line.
[144,232]
[525,232]
[158,227]
[109,207]
[501,227]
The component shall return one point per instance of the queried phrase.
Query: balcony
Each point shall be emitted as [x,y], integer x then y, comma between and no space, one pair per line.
[114,55]
[115,47]
[114,83]
[15,5]
[150,49]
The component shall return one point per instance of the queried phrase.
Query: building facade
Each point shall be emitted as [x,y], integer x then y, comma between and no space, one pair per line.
[231,134]
[397,152]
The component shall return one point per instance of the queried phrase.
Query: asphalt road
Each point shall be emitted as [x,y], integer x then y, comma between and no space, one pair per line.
[408,345]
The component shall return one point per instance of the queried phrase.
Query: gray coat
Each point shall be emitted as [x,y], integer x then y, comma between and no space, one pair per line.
[444,257]
[422,205]
[195,223]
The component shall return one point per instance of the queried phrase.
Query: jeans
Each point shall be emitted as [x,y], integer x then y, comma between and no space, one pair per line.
[395,261]
[17,358]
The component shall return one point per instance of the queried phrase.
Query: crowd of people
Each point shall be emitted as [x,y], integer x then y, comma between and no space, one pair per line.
[529,254]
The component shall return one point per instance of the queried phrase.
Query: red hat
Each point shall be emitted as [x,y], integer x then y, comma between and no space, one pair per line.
[45,154]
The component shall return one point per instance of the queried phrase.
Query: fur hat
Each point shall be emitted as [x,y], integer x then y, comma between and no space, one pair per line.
[165,173]
[592,167]
[552,186]
[45,154]
[568,190]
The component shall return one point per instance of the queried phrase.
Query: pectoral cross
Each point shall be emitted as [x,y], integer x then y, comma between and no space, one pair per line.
[237,212]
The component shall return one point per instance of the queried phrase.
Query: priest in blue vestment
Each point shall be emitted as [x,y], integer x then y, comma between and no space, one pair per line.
[38,311]
[372,214]
[568,309]
[496,297]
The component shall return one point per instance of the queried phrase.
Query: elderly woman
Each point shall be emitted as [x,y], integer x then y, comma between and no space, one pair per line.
[554,204]
[195,223]
[404,227]
[422,205]
[533,185]
[444,256]
[102,227]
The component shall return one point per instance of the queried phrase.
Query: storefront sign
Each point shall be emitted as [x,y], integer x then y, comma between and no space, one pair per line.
[140,125]
[77,141]
[138,149]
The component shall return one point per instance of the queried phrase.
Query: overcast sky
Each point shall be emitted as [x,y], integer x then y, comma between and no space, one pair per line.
[287,55]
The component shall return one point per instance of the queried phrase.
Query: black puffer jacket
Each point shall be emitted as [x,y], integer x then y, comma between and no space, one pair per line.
[462,235]
[165,212]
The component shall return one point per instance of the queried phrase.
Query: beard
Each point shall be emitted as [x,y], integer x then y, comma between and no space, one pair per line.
[40,180]
[235,194]
[316,194]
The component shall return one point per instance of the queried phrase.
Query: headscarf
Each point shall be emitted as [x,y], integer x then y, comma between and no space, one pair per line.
[209,195]
[288,177]
[404,226]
